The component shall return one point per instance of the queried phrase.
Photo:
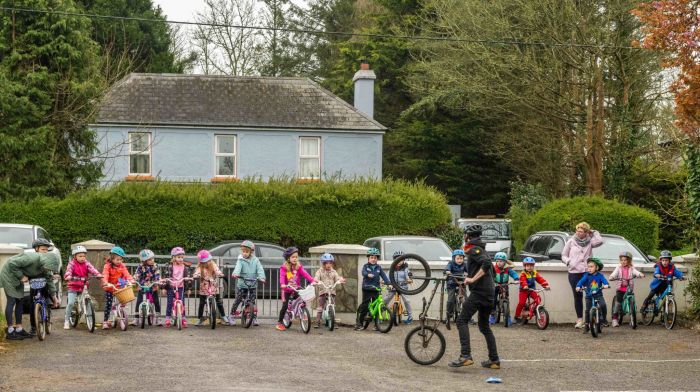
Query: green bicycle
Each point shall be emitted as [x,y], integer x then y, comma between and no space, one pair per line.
[380,313]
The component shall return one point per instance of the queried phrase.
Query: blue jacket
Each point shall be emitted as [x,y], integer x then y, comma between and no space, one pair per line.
[455,269]
[373,283]
[593,283]
[669,271]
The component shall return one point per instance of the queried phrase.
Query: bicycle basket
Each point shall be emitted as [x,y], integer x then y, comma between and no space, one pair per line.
[308,293]
[125,295]
[38,283]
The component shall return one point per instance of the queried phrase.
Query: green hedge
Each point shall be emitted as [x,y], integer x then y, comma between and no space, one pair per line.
[162,215]
[637,224]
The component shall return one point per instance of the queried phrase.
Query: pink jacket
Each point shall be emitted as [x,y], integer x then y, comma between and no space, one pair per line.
[292,276]
[76,269]
[575,256]
[626,273]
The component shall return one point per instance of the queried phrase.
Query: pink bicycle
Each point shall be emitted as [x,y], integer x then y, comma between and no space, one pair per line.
[178,310]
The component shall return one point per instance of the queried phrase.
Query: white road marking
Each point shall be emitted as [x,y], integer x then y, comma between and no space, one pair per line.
[601,360]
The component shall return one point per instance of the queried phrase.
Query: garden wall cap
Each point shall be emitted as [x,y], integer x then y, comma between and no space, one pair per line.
[10,249]
[94,245]
[349,249]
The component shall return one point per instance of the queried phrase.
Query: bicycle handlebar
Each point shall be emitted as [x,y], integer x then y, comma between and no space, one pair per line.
[325,286]
[173,281]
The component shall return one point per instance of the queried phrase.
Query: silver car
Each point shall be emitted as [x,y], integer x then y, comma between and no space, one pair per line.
[497,234]
[430,248]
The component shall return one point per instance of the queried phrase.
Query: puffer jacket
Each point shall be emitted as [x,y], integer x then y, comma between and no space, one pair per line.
[31,265]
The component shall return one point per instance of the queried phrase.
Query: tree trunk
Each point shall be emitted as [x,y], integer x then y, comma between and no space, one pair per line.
[595,127]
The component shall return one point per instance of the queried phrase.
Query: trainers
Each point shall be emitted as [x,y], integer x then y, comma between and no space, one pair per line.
[472,322]
[586,329]
[462,361]
[13,336]
[492,320]
[280,327]
[579,324]
[23,333]
[255,322]
[159,320]
[106,325]
[605,324]
[517,320]
[358,327]
[184,322]
[66,324]
[225,320]
[167,322]
[491,364]
[134,321]
[409,320]
[317,324]
[615,323]
[199,323]
[32,332]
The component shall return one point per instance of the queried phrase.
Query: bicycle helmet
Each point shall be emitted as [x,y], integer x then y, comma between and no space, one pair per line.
[118,251]
[501,256]
[528,260]
[665,254]
[372,252]
[248,244]
[626,254]
[289,252]
[177,251]
[327,258]
[41,242]
[597,262]
[457,252]
[78,249]
[397,254]
[203,256]
[146,254]
[473,230]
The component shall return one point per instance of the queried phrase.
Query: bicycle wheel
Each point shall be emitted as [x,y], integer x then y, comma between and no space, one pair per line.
[542,317]
[395,312]
[123,318]
[89,315]
[593,324]
[211,303]
[151,314]
[178,316]
[670,313]
[143,313]
[420,274]
[74,315]
[305,320]
[633,312]
[384,320]
[499,309]
[615,309]
[648,313]
[506,313]
[330,323]
[287,320]
[420,346]
[47,322]
[247,315]
[40,324]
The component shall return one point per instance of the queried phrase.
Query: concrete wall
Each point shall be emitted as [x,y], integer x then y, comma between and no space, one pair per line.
[186,154]
[6,251]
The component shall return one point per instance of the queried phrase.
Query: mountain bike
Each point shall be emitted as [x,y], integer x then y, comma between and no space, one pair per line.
[178,309]
[328,315]
[248,303]
[297,308]
[503,304]
[535,308]
[595,324]
[83,306]
[378,312]
[628,305]
[664,303]
[42,311]
[147,308]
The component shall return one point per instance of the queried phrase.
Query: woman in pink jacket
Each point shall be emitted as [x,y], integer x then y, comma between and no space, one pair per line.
[576,251]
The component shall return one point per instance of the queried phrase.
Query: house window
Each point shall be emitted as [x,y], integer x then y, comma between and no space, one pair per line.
[225,155]
[309,157]
[139,153]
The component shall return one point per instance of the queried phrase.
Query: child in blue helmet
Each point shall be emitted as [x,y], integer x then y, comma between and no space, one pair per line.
[456,266]
[371,272]
[146,273]
[501,272]
[329,276]
[403,279]
[528,279]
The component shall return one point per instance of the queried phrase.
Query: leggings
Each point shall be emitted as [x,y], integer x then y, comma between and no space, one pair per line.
[171,300]
[17,304]
[367,297]
[109,298]
[617,310]
[287,297]
[523,298]
[141,296]
[219,306]
[578,295]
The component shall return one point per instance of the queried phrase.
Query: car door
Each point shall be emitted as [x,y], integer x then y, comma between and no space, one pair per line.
[555,247]
[536,247]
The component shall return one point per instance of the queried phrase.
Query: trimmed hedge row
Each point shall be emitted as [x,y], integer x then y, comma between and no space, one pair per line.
[637,224]
[162,215]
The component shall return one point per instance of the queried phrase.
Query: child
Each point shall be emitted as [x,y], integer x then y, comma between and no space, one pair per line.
[593,280]
[501,272]
[623,271]
[663,269]
[146,273]
[455,267]
[403,278]
[77,268]
[207,271]
[371,272]
[328,275]
[291,273]
[113,271]
[247,267]
[527,284]
[177,271]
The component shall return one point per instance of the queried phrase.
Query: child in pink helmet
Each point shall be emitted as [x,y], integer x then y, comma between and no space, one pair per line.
[177,271]
[207,272]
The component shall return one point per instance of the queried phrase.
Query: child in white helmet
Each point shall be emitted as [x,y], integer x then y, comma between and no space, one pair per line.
[77,272]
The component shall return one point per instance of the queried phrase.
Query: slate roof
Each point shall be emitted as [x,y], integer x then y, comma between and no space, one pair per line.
[227,101]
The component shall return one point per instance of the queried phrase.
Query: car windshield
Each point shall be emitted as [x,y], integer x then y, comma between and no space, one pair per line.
[492,230]
[429,249]
[16,235]
[610,251]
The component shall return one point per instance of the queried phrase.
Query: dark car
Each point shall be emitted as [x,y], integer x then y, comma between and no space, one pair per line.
[270,256]
[547,246]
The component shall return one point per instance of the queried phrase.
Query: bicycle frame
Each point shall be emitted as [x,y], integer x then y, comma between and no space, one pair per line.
[330,299]
[375,306]
[147,306]
[666,293]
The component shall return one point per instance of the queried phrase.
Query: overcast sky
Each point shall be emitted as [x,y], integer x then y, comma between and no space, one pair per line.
[181,10]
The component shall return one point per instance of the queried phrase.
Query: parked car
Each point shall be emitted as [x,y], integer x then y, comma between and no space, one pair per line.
[22,236]
[545,246]
[270,256]
[497,234]
[431,249]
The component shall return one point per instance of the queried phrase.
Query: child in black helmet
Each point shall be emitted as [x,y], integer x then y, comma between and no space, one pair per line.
[663,270]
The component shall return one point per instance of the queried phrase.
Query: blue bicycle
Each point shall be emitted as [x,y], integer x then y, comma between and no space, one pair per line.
[664,303]
[41,309]
[594,324]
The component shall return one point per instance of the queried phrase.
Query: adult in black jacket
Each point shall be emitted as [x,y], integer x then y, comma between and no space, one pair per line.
[480,300]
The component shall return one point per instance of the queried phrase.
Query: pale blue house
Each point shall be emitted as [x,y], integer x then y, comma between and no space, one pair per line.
[220,128]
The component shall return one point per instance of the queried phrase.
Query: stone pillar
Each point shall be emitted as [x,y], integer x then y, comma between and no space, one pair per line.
[6,251]
[349,259]
[97,251]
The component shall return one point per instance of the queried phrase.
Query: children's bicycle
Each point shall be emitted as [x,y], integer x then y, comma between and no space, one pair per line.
[248,303]
[147,308]
[118,314]
[83,306]
[41,309]
[595,324]
[628,305]
[178,309]
[380,313]
[535,309]
[460,297]
[328,315]
[297,308]
[664,304]
[211,302]
[503,305]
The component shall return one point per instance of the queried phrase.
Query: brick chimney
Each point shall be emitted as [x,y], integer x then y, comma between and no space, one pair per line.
[364,89]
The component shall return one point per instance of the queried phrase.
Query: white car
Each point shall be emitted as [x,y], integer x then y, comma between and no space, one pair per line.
[433,250]
[22,236]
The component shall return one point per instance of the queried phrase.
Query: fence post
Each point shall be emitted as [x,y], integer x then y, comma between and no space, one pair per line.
[97,251]
[349,258]
[6,251]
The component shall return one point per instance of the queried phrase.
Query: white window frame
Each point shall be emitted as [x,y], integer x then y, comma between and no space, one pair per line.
[319,157]
[148,152]
[217,155]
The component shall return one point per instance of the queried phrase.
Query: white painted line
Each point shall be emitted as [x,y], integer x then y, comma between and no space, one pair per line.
[601,360]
